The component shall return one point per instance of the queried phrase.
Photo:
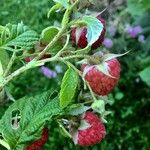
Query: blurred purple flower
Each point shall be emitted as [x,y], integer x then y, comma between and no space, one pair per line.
[48,72]
[141,38]
[108,43]
[134,31]
[112,30]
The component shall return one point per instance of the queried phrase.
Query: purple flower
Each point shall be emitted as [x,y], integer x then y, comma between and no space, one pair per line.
[141,38]
[134,31]
[48,72]
[108,43]
[112,30]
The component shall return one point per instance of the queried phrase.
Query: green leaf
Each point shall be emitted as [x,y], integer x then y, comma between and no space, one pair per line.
[47,36]
[110,56]
[68,87]
[77,109]
[64,3]
[1,29]
[138,9]
[19,36]
[98,106]
[1,69]
[53,9]
[145,75]
[4,58]
[94,29]
[29,115]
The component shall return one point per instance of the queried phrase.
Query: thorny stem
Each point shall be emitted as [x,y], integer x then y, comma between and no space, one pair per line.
[51,43]
[60,33]
[71,65]
[63,58]
[81,51]
[30,65]
[35,62]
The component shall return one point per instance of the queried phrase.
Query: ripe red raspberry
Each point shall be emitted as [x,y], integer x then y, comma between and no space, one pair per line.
[79,39]
[37,145]
[99,82]
[94,134]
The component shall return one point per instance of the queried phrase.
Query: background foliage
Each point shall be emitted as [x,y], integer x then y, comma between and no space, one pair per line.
[128,125]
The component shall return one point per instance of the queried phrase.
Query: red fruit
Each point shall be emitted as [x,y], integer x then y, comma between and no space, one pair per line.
[79,39]
[37,145]
[94,134]
[99,82]
[28,59]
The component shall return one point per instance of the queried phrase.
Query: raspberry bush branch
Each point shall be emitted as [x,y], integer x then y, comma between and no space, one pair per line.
[34,62]
[13,57]
[80,112]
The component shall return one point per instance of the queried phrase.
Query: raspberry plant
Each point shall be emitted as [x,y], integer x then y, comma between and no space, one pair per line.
[79,106]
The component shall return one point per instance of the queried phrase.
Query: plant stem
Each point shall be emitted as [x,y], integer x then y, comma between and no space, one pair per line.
[51,43]
[35,62]
[92,94]
[83,51]
[10,64]
[60,33]
[88,102]
[63,58]
[28,66]
[71,65]
[3,143]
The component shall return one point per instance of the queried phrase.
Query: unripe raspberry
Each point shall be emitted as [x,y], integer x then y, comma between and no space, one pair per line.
[79,39]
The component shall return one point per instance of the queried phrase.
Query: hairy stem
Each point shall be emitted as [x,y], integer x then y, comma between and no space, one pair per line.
[35,62]
[83,51]
[71,65]
[28,66]
[57,37]
[13,57]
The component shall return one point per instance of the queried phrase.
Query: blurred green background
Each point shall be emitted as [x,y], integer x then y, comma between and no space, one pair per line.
[128,127]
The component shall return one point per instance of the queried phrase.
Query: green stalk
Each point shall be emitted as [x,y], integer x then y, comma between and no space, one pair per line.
[13,57]
[35,62]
